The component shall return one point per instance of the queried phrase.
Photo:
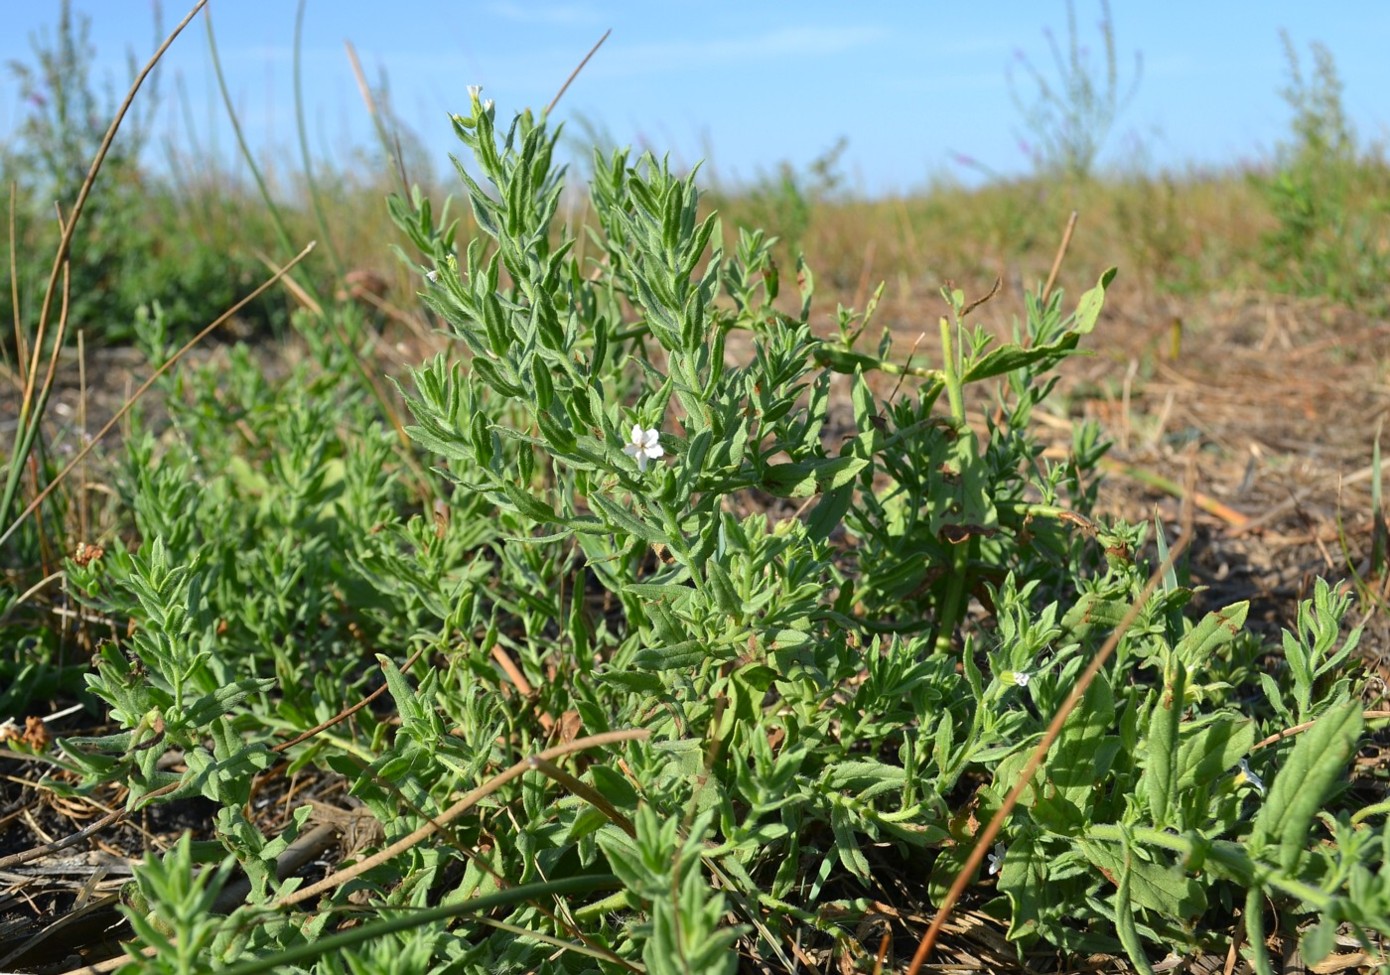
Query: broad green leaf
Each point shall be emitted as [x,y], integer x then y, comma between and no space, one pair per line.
[1214,631]
[673,594]
[837,472]
[787,639]
[1154,886]
[687,655]
[961,505]
[860,776]
[790,480]
[829,512]
[1024,880]
[1312,771]
[1317,942]
[1089,307]
[1094,611]
[614,786]
[638,681]
[1081,757]
[1211,748]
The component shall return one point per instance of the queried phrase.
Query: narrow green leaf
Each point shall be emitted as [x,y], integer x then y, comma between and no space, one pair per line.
[620,519]
[1007,358]
[1124,916]
[829,512]
[1161,749]
[529,505]
[723,589]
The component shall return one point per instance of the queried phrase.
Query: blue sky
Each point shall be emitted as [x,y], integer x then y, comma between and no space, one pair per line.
[907,84]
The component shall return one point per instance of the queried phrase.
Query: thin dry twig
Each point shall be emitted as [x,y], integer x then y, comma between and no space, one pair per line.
[65,242]
[115,816]
[340,877]
[1061,253]
[378,119]
[345,713]
[575,73]
[1298,729]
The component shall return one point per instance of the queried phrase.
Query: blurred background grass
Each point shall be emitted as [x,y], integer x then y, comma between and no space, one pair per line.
[195,233]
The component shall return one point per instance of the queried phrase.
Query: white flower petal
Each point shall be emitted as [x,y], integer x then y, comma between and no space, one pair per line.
[996,858]
[643,445]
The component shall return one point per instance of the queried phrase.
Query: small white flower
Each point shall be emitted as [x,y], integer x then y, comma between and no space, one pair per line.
[644,445]
[432,276]
[1021,678]
[473,92]
[996,859]
[1245,775]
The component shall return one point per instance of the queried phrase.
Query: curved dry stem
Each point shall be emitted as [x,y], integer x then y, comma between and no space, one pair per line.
[342,715]
[33,401]
[86,189]
[470,800]
[1298,729]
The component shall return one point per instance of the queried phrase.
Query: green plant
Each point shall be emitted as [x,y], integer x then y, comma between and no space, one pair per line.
[809,637]
[1327,195]
[135,241]
[1067,121]
[745,630]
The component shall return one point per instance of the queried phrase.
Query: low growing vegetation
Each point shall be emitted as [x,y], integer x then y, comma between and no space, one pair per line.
[666,620]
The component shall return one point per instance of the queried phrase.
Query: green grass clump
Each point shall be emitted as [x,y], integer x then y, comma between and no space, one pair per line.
[1329,196]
